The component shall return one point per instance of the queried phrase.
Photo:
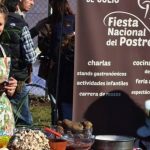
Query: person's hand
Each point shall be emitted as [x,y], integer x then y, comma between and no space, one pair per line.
[10,87]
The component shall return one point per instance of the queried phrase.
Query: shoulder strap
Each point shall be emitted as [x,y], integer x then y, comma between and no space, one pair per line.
[3,51]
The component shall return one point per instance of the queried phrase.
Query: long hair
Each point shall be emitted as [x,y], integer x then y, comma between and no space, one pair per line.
[4,11]
[60,8]
[2,1]
[11,5]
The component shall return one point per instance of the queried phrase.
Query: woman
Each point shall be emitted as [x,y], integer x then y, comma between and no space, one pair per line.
[11,84]
[56,43]
[62,54]
[7,85]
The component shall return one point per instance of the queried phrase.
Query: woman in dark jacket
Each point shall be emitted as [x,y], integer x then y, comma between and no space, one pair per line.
[56,43]
[62,54]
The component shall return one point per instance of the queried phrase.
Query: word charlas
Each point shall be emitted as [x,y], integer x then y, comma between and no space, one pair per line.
[99,63]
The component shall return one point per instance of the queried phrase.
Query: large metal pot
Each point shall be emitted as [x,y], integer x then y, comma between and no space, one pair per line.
[113,142]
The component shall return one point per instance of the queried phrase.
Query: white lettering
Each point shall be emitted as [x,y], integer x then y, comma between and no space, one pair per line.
[114,21]
[108,1]
[99,63]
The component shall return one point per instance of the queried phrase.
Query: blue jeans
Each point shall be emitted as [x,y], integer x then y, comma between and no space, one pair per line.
[65,111]
[20,103]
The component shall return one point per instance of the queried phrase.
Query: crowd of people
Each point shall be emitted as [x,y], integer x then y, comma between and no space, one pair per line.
[56,35]
[17,40]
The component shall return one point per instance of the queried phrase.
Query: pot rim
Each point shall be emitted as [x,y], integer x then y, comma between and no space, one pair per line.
[114,138]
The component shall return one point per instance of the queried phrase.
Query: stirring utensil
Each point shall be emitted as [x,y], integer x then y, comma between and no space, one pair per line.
[49,130]
[57,134]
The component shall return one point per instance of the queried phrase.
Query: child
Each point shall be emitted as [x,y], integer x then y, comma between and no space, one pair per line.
[7,85]
[12,83]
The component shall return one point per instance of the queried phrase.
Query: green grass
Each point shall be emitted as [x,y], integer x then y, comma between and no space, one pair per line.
[41,113]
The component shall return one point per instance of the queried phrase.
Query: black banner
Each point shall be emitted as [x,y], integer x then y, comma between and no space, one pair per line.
[112,64]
